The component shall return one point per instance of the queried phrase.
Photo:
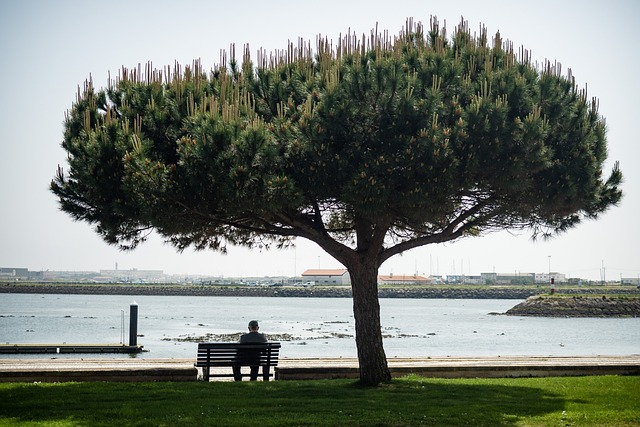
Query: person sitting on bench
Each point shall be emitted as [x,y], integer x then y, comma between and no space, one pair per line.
[253,337]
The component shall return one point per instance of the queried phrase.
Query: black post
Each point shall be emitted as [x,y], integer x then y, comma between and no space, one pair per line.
[133,324]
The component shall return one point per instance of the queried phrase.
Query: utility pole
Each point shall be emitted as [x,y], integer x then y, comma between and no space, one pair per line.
[551,281]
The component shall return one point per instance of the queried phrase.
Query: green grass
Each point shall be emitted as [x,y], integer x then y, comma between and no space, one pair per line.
[412,401]
[631,297]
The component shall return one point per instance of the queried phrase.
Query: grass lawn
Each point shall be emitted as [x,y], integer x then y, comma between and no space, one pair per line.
[411,401]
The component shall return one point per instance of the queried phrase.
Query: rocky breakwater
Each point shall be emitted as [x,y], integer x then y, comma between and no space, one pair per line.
[459,292]
[453,292]
[432,292]
[578,306]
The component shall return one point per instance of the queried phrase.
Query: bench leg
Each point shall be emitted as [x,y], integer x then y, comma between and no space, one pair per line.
[205,373]
[237,372]
[265,373]
[254,373]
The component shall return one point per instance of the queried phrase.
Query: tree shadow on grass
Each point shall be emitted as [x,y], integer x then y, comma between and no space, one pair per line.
[405,402]
[487,404]
[418,401]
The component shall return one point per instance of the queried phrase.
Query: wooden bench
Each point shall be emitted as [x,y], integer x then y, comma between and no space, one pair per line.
[224,354]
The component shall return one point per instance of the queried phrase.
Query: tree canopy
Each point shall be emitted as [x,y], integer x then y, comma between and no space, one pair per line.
[370,147]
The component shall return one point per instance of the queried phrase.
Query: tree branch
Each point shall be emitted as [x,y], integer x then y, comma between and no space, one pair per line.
[454,230]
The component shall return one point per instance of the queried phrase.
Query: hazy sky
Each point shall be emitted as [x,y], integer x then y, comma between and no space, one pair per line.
[50,47]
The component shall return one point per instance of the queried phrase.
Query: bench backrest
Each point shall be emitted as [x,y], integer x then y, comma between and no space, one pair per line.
[230,354]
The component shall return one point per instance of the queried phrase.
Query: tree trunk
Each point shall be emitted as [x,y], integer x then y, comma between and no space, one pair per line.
[366,311]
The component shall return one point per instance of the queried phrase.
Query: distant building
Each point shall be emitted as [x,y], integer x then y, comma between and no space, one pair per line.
[630,281]
[327,277]
[403,279]
[508,278]
[465,279]
[14,273]
[70,276]
[341,277]
[436,280]
[134,275]
[546,277]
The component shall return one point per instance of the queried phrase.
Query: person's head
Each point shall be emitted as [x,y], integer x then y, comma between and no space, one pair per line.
[253,325]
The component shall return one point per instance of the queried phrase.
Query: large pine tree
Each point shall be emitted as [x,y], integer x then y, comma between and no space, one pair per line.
[368,148]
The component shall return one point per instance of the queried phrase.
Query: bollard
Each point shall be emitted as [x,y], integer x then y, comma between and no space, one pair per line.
[133,324]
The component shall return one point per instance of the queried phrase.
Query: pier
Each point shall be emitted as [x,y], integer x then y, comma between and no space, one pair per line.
[68,348]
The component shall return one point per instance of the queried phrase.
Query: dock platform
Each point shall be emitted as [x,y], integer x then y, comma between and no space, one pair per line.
[64,370]
[68,348]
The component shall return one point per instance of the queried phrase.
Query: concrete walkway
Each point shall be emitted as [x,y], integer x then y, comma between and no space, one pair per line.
[29,370]
[48,370]
[467,367]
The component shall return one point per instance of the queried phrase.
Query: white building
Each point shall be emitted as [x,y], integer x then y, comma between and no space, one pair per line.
[327,277]
[546,277]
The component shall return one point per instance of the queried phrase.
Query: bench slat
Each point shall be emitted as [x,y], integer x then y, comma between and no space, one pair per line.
[237,354]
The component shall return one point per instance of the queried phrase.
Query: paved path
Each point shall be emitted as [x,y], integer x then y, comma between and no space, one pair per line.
[109,363]
[468,367]
[293,368]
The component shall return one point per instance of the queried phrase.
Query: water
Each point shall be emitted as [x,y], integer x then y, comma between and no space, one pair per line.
[319,327]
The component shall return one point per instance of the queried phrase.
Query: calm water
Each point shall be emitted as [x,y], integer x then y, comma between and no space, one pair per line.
[319,327]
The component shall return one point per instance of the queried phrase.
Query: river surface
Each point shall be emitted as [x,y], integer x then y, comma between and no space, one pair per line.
[307,327]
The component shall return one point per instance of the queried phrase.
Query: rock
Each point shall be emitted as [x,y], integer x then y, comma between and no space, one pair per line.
[578,306]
